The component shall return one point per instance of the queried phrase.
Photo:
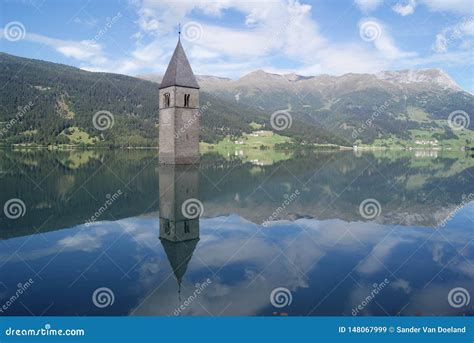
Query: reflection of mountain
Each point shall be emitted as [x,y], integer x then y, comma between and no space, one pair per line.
[329,266]
[179,234]
[410,190]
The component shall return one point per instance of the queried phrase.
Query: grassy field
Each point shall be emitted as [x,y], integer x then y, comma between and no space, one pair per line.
[257,147]
[432,139]
[78,136]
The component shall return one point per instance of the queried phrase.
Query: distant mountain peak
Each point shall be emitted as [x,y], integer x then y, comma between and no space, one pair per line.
[434,76]
[259,73]
[424,78]
[262,74]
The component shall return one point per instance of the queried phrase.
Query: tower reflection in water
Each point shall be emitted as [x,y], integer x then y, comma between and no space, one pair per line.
[179,234]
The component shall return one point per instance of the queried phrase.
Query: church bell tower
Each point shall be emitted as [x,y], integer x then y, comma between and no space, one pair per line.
[179,112]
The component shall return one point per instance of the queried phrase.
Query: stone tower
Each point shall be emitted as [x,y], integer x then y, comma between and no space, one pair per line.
[179,112]
[177,185]
[179,234]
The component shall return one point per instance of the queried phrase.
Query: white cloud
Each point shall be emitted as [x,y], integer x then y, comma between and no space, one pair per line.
[269,32]
[277,29]
[85,50]
[457,6]
[368,5]
[462,32]
[405,8]
[374,31]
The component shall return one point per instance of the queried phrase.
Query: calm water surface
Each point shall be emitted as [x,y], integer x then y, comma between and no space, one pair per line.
[98,219]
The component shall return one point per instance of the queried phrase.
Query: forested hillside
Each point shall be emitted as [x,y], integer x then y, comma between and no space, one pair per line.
[48,103]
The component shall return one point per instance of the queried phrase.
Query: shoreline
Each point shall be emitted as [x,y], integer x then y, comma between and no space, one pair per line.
[210,148]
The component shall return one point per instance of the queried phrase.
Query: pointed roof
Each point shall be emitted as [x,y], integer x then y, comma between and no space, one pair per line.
[179,71]
[179,254]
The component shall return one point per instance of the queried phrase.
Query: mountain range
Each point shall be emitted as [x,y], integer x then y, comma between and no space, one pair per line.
[395,102]
[324,109]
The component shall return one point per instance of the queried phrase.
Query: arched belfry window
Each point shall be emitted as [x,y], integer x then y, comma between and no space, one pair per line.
[186,100]
[186,226]
[166,100]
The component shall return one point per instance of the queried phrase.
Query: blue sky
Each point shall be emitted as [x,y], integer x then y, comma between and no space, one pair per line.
[231,38]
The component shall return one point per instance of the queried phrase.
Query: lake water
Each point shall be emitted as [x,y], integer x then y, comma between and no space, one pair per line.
[328,233]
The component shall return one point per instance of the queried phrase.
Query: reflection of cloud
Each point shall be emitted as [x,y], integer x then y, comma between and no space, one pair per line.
[246,262]
[79,238]
[433,300]
[402,284]
[381,251]
[261,267]
[464,267]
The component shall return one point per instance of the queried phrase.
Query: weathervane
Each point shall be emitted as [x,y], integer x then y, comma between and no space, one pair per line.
[179,31]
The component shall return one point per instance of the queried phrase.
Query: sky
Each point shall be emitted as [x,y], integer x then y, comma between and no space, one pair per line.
[230,38]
